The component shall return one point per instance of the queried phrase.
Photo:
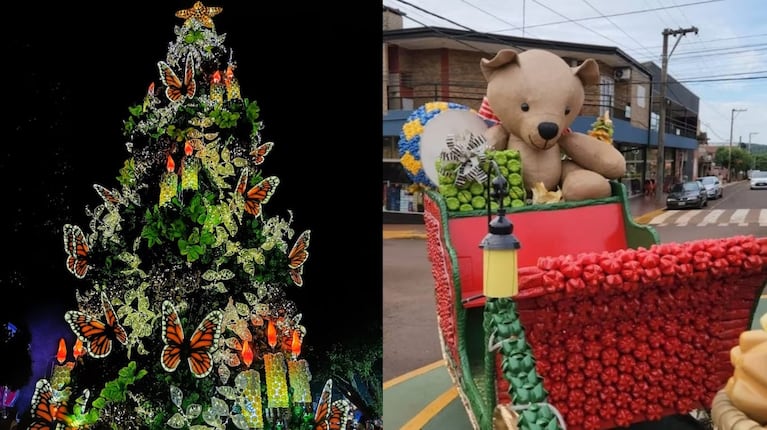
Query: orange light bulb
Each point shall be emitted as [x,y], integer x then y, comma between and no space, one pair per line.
[61,354]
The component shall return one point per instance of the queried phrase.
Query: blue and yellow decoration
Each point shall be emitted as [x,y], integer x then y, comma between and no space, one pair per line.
[410,139]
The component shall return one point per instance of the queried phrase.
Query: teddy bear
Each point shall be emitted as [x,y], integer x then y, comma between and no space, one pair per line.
[535,95]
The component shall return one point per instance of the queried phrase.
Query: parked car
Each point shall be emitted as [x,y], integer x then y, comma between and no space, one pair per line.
[687,194]
[713,186]
[758,180]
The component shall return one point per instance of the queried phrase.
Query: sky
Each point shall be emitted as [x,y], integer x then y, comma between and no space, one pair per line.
[724,64]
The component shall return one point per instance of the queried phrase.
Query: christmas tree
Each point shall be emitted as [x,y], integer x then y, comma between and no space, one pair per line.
[183,320]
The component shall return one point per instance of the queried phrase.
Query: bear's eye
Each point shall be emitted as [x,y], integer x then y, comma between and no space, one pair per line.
[525,107]
[567,111]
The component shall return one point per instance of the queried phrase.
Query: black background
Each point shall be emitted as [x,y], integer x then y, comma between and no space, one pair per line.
[69,74]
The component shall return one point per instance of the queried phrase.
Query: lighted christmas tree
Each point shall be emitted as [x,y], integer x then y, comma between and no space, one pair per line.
[183,318]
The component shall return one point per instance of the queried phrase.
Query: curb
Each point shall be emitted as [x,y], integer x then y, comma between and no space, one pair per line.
[403,234]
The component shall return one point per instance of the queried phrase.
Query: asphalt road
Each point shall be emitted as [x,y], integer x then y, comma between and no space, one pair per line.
[409,317]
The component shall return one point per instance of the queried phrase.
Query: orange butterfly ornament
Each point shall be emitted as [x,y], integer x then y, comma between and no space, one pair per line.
[196,349]
[259,194]
[77,249]
[47,414]
[97,336]
[260,152]
[298,255]
[175,89]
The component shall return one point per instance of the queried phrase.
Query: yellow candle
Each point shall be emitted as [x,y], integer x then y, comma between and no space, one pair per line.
[250,402]
[169,182]
[299,381]
[189,169]
[276,383]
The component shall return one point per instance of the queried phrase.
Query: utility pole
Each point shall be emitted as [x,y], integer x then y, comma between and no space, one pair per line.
[729,155]
[660,160]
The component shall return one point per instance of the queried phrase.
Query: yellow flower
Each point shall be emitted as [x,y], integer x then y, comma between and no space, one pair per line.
[410,163]
[412,128]
[435,106]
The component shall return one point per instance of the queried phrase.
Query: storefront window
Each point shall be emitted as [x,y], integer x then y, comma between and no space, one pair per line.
[397,195]
[390,148]
[634,157]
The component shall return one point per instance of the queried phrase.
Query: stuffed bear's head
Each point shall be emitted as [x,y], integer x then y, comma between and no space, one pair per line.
[536,94]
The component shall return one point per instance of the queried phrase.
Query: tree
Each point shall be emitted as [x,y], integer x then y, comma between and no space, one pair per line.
[183,310]
[741,159]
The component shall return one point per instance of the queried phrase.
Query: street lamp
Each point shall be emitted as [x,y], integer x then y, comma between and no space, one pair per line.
[729,156]
[753,160]
[499,247]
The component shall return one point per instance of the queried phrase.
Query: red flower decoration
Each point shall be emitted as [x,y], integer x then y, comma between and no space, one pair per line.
[611,265]
[592,387]
[626,364]
[592,349]
[574,380]
[609,376]
[610,357]
[642,351]
[641,370]
[624,418]
[592,369]
[553,280]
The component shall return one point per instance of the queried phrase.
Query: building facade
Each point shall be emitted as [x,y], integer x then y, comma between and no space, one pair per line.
[424,65]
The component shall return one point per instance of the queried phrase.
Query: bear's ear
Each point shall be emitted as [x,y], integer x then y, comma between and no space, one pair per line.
[587,72]
[503,57]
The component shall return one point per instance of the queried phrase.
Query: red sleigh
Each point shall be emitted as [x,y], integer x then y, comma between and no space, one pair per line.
[609,327]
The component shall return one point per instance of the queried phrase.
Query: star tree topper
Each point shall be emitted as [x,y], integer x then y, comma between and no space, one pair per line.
[200,12]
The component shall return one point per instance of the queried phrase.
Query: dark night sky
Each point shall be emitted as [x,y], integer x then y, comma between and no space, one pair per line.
[70,74]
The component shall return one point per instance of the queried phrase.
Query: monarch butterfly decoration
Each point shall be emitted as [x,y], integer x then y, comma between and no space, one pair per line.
[330,415]
[112,198]
[197,349]
[175,89]
[77,249]
[260,152]
[47,414]
[97,336]
[297,257]
[259,194]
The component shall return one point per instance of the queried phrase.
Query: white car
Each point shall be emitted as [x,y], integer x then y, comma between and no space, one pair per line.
[713,186]
[758,180]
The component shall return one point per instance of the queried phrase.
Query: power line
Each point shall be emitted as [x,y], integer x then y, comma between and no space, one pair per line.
[591,18]
[575,22]
[617,26]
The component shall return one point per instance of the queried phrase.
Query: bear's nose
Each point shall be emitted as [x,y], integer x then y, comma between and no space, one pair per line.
[548,130]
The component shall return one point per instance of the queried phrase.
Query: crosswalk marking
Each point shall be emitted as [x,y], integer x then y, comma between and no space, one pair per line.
[716,217]
[739,217]
[662,217]
[711,217]
[686,217]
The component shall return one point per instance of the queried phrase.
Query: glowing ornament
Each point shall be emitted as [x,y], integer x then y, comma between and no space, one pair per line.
[295,344]
[249,382]
[276,383]
[298,370]
[79,349]
[189,169]
[217,88]
[61,354]
[169,182]
[271,334]
[247,354]
[232,85]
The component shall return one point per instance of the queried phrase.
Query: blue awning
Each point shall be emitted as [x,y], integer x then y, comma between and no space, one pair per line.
[394,120]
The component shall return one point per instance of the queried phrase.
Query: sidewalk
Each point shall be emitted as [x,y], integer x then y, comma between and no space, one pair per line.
[642,208]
